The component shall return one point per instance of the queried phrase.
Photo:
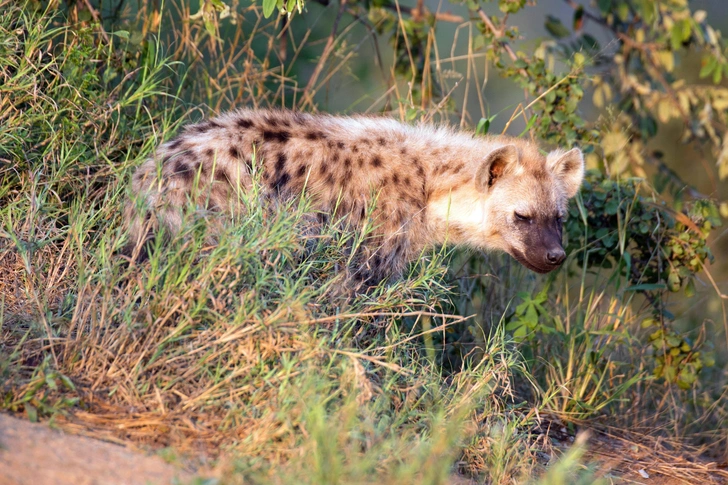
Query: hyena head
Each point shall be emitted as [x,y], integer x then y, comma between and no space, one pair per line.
[525,198]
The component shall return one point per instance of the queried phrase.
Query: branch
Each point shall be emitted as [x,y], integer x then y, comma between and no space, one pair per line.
[309,91]
[97,19]
[499,33]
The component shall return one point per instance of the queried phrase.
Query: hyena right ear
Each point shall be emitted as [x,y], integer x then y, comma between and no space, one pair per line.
[569,167]
[494,166]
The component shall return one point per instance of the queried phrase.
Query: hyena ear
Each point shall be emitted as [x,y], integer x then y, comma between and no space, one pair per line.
[494,166]
[569,167]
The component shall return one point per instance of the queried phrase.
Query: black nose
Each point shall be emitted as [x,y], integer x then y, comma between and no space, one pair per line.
[555,256]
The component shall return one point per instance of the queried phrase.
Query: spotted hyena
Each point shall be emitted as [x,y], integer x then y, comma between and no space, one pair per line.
[432,185]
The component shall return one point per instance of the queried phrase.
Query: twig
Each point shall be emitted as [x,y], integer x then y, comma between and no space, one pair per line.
[499,33]
[97,19]
[309,91]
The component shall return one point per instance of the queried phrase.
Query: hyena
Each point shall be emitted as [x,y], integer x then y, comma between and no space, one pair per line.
[418,185]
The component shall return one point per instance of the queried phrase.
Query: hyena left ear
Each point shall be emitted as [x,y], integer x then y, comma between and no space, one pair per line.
[494,166]
[569,167]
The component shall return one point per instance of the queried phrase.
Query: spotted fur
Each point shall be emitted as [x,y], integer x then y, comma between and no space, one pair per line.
[433,185]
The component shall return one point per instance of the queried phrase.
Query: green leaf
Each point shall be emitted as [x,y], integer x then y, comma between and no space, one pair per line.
[690,288]
[556,28]
[483,126]
[559,117]
[268,7]
[529,125]
[32,413]
[708,66]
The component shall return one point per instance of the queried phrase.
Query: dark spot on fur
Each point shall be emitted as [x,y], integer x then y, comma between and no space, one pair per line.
[281,181]
[315,135]
[345,178]
[376,161]
[403,150]
[280,162]
[244,123]
[301,170]
[340,144]
[407,181]
[209,152]
[395,179]
[221,175]
[234,152]
[457,168]
[204,127]
[174,144]
[330,180]
[335,157]
[377,260]
[418,165]
[278,136]
[355,148]
[182,170]
[360,161]
[366,141]
[323,168]
[381,141]
[347,162]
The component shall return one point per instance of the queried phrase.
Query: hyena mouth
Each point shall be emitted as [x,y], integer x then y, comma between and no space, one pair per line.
[540,269]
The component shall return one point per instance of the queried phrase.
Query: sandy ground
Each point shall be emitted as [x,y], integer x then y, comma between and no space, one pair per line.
[34,454]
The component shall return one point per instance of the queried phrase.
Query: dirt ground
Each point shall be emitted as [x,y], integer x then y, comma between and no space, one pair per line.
[35,454]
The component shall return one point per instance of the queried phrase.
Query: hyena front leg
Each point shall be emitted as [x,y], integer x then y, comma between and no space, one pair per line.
[381,260]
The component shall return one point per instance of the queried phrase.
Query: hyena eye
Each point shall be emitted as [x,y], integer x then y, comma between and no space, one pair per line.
[521,217]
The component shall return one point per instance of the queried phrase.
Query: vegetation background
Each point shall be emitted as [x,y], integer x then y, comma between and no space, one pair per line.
[250,357]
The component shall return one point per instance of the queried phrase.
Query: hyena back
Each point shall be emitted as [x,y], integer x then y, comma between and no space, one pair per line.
[432,185]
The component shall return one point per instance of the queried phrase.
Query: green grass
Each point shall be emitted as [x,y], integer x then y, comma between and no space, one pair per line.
[257,348]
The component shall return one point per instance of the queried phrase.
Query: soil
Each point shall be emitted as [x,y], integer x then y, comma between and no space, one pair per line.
[35,454]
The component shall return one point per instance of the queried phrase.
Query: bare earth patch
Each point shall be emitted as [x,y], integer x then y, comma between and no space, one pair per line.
[32,454]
